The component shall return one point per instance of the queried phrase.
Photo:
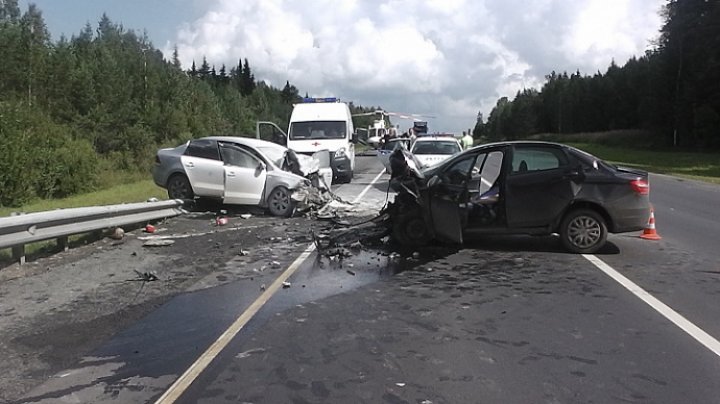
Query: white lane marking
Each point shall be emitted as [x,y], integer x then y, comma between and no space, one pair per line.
[367,188]
[186,379]
[694,331]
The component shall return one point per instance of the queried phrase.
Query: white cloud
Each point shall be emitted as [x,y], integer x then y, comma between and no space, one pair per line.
[448,58]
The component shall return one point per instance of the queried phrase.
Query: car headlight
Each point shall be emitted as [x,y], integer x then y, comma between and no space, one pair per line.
[340,152]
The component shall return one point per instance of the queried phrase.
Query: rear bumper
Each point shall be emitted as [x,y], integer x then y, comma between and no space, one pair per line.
[629,219]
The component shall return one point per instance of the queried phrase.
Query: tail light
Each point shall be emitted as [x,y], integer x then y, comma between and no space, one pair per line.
[641,187]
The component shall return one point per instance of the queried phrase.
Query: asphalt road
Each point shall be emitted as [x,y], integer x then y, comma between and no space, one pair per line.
[501,320]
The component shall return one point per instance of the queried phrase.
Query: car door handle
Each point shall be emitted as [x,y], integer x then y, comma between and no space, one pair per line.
[231,173]
[189,164]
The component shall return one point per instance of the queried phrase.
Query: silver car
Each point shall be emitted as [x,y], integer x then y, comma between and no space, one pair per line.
[238,170]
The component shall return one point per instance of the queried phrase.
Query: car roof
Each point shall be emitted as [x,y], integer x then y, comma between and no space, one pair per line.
[247,141]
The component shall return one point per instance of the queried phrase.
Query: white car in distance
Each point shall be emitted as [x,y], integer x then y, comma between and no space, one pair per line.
[430,150]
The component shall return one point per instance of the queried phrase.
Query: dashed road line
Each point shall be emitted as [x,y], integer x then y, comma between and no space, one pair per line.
[186,379]
[666,311]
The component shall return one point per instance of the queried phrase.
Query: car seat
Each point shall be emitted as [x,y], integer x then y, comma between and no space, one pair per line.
[523,167]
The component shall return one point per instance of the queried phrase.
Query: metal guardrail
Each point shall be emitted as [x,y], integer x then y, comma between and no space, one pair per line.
[17,231]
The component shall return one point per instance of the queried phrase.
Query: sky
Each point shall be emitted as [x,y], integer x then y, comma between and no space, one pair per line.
[448,59]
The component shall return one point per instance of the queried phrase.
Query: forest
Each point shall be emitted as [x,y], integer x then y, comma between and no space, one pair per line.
[672,92]
[75,112]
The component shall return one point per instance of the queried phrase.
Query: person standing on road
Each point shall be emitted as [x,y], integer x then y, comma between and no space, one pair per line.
[467,140]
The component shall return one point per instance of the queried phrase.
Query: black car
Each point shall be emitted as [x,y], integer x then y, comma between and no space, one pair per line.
[521,187]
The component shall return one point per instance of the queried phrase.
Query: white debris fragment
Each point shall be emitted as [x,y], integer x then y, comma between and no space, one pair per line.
[118,233]
[158,243]
[275,264]
[286,284]
[400,384]
[247,353]
[246,216]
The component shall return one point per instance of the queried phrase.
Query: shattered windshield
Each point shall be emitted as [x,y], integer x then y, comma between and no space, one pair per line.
[274,154]
[317,130]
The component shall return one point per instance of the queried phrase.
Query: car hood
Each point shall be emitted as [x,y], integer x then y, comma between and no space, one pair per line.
[428,160]
[314,163]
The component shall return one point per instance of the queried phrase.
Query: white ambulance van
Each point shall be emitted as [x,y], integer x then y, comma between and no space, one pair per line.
[322,124]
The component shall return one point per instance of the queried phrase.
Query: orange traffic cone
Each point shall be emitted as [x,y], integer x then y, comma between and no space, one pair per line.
[650,233]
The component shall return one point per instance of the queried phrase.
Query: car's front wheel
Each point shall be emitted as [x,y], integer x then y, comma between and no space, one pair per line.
[280,203]
[178,187]
[583,231]
[410,229]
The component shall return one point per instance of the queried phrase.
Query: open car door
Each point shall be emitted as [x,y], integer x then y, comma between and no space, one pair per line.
[269,131]
[245,176]
[448,198]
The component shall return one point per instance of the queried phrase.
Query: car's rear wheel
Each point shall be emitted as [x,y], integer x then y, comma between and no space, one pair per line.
[178,187]
[280,203]
[410,229]
[583,231]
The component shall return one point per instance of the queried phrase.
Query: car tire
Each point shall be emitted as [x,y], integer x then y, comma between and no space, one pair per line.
[280,203]
[583,231]
[409,229]
[178,187]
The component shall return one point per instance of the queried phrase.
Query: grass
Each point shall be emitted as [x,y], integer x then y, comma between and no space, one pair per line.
[640,149]
[699,166]
[138,191]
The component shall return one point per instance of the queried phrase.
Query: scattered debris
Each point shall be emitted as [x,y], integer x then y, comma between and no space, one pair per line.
[118,233]
[249,352]
[350,272]
[221,221]
[150,228]
[275,264]
[246,216]
[286,284]
[144,276]
[158,243]
[262,287]
[400,384]
[243,253]
[153,199]
[416,255]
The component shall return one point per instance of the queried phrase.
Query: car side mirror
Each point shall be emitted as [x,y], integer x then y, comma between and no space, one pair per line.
[261,166]
[433,181]
[354,137]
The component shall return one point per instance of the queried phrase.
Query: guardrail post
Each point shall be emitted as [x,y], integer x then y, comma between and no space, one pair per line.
[62,243]
[18,253]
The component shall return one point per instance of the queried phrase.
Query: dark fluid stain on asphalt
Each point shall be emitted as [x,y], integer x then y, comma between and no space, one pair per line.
[169,339]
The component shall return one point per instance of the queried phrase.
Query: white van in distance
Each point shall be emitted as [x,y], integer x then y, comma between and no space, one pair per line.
[321,124]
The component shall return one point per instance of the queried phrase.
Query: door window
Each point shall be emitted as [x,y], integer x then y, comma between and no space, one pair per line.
[235,156]
[203,148]
[487,169]
[459,172]
[537,158]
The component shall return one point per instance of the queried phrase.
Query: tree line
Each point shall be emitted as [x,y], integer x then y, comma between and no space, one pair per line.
[74,111]
[672,91]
